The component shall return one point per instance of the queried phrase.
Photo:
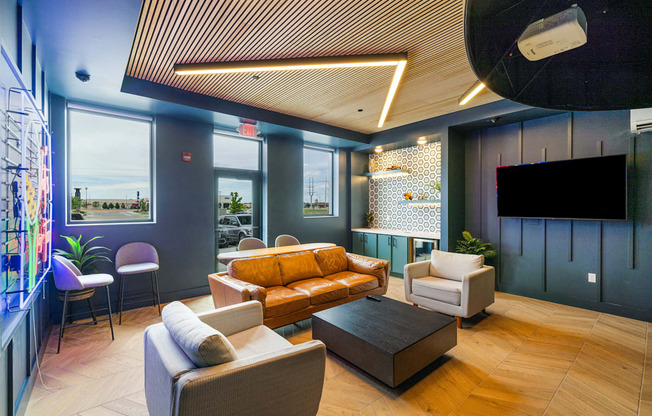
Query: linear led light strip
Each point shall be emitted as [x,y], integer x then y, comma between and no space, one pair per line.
[293,64]
[475,88]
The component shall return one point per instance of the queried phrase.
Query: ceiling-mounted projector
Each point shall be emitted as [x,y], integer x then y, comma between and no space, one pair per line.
[555,34]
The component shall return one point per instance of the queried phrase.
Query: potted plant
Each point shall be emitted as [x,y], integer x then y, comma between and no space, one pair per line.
[369,217]
[82,255]
[472,245]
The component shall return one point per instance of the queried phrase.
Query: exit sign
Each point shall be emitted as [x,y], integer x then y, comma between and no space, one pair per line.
[248,130]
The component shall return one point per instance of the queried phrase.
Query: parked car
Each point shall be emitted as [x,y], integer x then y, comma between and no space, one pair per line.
[221,238]
[235,226]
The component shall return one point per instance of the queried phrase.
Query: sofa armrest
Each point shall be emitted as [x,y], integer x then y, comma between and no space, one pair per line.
[478,290]
[414,271]
[369,265]
[227,290]
[289,381]
[234,318]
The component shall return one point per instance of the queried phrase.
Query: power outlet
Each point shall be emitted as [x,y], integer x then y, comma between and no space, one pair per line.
[591,277]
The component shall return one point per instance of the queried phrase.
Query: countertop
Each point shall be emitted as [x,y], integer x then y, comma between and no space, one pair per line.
[416,234]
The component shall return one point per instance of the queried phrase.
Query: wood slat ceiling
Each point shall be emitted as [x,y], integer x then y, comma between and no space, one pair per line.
[431,32]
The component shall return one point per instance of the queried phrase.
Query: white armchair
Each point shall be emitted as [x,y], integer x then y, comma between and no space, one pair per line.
[269,377]
[451,283]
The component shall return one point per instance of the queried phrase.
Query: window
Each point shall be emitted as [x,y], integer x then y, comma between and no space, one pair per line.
[318,168]
[236,153]
[109,167]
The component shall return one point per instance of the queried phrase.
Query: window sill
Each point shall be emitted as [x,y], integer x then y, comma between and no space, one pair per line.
[321,216]
[94,224]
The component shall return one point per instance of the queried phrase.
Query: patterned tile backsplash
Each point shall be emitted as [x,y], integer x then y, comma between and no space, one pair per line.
[424,166]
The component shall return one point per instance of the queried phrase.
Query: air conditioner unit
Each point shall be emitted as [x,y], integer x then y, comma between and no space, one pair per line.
[641,120]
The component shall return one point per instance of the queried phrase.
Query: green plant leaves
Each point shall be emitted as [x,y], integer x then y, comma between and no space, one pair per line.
[82,255]
[472,245]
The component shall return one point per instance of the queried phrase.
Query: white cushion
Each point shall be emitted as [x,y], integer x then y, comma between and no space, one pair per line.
[203,344]
[96,280]
[137,268]
[257,340]
[443,290]
[454,265]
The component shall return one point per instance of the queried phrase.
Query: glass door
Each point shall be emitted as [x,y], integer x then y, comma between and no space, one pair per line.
[238,181]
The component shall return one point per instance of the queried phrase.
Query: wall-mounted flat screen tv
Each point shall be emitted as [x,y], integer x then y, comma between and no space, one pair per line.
[585,189]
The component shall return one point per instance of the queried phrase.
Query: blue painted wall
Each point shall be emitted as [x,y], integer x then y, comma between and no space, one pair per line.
[550,259]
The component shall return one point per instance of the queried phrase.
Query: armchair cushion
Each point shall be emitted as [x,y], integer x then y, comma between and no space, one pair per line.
[281,300]
[443,290]
[204,345]
[332,260]
[454,265]
[298,266]
[257,340]
[261,271]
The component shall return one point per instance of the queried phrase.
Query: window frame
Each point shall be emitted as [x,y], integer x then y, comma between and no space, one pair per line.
[334,192]
[119,114]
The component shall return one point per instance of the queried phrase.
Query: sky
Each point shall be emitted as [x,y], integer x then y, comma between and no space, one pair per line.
[109,156]
[318,165]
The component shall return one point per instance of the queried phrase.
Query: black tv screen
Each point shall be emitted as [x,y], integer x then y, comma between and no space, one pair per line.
[589,189]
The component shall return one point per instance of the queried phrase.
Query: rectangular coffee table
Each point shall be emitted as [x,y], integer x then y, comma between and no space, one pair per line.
[390,340]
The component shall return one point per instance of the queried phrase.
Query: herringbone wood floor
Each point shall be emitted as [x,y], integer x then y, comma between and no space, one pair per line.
[527,357]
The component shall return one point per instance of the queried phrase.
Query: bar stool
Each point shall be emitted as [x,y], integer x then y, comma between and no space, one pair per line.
[137,258]
[286,240]
[68,278]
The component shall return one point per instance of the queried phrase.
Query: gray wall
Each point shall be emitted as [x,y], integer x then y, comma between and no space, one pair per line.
[284,180]
[183,233]
[550,259]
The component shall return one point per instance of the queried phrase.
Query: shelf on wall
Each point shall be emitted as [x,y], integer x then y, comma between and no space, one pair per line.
[434,202]
[387,173]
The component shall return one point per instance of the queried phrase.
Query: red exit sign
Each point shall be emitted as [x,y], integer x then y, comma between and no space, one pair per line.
[248,130]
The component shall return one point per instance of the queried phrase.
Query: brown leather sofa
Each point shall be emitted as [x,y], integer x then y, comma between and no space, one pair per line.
[292,287]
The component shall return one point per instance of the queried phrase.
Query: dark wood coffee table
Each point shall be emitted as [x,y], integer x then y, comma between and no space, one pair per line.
[390,340]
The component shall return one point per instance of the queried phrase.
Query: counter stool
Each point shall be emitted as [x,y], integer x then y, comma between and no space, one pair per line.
[137,258]
[69,280]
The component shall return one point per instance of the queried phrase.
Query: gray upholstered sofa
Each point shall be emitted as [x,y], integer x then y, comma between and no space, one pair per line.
[270,376]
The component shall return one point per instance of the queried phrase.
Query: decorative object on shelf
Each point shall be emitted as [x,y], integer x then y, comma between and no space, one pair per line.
[373,166]
[436,186]
[472,245]
[387,173]
[27,223]
[421,197]
[83,256]
[369,217]
[407,196]
[394,167]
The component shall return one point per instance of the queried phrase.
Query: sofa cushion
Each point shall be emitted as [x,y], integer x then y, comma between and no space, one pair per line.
[298,266]
[281,300]
[332,260]
[261,271]
[454,265]
[443,290]
[257,340]
[320,290]
[203,344]
[356,282]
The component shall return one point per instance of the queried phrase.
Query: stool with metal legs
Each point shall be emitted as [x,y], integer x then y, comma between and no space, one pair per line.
[137,258]
[69,280]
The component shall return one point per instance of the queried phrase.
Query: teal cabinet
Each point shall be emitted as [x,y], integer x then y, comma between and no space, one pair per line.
[400,255]
[365,244]
[396,250]
[370,245]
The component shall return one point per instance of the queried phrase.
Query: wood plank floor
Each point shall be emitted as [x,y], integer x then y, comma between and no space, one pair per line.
[527,357]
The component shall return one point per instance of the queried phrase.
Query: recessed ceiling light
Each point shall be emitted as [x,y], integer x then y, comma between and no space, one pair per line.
[255,77]
[422,140]
[292,64]
[378,149]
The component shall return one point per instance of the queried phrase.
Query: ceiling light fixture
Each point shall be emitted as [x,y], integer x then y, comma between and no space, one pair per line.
[292,64]
[378,149]
[471,92]
[422,140]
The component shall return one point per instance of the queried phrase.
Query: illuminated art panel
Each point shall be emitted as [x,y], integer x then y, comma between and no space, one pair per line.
[27,211]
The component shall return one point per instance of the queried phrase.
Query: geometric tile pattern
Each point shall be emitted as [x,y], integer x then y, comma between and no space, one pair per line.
[424,166]
[527,357]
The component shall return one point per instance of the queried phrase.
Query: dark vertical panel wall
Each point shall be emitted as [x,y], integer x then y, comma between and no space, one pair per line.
[550,259]
[183,232]
[284,179]
[452,186]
